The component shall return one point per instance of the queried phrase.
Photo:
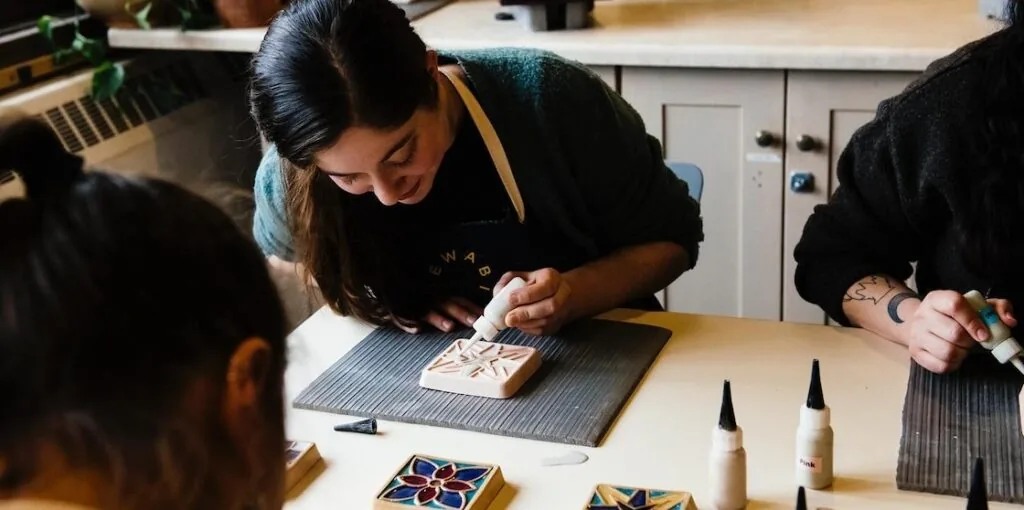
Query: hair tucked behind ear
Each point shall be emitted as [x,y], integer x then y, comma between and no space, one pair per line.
[323,67]
[119,298]
[991,234]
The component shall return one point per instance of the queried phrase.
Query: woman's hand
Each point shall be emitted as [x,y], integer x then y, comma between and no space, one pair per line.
[944,326]
[447,316]
[540,308]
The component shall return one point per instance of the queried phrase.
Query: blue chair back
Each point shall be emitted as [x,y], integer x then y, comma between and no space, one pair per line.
[691,174]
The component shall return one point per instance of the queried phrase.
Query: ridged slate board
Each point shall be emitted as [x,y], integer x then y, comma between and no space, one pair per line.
[949,420]
[586,375]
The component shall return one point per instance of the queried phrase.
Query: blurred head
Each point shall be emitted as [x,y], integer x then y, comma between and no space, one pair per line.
[142,342]
[355,105]
[346,88]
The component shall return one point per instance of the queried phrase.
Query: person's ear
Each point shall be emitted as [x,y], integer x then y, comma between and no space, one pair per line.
[246,380]
[432,63]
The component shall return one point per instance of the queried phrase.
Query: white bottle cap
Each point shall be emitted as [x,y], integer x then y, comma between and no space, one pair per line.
[815,418]
[1007,350]
[976,300]
[726,440]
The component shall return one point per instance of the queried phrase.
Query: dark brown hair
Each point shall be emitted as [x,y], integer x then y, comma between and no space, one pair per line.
[118,296]
[323,67]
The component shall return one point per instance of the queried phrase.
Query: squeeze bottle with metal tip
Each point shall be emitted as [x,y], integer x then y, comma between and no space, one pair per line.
[814,438]
[1000,342]
[728,462]
[492,321]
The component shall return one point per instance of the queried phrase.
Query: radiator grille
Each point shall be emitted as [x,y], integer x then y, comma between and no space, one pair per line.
[84,122]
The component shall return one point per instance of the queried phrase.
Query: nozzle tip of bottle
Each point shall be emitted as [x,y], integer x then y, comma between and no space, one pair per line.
[815,395]
[801,498]
[977,498]
[727,415]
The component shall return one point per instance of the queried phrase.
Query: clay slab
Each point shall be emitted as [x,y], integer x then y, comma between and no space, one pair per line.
[432,482]
[611,497]
[487,370]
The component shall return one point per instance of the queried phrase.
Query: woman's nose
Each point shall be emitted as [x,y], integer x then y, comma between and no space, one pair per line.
[388,189]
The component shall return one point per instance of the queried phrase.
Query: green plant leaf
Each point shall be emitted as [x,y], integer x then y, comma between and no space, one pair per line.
[94,51]
[62,55]
[141,17]
[107,79]
[45,26]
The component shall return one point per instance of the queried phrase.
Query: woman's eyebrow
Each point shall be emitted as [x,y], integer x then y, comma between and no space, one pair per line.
[401,143]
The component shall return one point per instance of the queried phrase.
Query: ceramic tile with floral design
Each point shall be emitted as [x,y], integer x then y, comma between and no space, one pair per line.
[486,370]
[610,497]
[431,482]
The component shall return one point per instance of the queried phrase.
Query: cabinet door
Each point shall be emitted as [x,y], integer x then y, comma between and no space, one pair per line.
[729,123]
[824,109]
[608,74]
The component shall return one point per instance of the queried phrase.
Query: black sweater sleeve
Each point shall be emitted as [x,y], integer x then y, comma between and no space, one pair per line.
[886,206]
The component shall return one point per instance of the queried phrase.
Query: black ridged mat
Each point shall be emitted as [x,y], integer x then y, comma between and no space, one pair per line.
[587,373]
[949,420]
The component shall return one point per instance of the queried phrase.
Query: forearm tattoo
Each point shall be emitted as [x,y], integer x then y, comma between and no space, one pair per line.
[875,290]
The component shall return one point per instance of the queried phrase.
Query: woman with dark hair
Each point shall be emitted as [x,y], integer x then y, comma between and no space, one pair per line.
[411,184]
[937,178]
[142,344]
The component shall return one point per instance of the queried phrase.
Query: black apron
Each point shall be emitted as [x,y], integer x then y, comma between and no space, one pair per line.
[468,259]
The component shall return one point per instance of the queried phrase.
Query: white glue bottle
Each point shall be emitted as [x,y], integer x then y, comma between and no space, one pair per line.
[814,438]
[492,321]
[728,462]
[1000,340]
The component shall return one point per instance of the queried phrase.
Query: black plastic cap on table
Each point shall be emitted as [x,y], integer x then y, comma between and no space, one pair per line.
[727,416]
[815,395]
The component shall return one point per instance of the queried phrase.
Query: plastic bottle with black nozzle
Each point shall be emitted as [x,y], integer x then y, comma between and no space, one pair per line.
[814,437]
[728,459]
[801,499]
[977,498]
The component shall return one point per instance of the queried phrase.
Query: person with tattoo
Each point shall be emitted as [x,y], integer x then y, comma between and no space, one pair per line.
[936,178]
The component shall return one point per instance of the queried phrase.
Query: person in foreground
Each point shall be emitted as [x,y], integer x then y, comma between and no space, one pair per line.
[142,344]
[937,178]
[411,184]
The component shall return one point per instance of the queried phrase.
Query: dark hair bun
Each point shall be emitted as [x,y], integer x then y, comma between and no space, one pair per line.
[30,148]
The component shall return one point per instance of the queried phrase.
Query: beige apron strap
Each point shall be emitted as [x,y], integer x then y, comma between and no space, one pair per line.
[490,136]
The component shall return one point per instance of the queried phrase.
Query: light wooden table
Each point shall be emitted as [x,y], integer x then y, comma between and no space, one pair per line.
[661,439]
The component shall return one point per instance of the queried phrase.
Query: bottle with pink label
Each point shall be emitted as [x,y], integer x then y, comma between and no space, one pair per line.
[814,438]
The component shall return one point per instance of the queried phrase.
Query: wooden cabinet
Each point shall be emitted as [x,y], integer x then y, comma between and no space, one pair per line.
[713,118]
[767,142]
[824,110]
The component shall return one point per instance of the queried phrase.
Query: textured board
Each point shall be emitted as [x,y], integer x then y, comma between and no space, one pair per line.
[586,375]
[948,420]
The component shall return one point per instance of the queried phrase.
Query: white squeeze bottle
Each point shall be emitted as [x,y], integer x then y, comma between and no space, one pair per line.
[492,321]
[728,462]
[814,438]
[1000,341]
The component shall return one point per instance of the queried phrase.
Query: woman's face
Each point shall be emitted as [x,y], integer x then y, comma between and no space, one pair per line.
[398,166]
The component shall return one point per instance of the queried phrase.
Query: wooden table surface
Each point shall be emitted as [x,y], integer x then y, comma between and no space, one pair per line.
[661,439]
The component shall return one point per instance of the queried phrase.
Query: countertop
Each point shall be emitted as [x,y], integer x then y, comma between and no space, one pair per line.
[864,35]
[662,438]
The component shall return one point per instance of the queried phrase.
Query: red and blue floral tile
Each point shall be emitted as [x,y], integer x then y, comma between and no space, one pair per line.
[427,482]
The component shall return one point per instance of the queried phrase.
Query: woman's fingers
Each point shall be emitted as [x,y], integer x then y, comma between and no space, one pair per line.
[948,330]
[930,362]
[439,321]
[1005,310]
[457,311]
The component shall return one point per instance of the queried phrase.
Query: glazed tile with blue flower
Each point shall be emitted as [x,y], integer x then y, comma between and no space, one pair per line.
[609,497]
[431,482]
